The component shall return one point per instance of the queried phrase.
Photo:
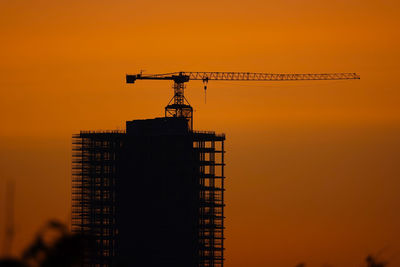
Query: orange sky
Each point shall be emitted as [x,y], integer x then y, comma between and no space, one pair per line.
[313,171]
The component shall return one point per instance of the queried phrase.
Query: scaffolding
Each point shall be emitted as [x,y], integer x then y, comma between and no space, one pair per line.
[96,158]
[209,149]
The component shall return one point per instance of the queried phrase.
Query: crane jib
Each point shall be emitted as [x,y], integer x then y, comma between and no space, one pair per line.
[182,77]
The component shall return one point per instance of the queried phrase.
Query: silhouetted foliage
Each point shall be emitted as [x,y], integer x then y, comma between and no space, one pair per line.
[66,250]
[373,262]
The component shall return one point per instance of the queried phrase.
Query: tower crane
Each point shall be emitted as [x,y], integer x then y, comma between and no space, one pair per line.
[178,106]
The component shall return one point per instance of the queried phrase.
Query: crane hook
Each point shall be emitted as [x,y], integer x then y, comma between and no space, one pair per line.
[205,82]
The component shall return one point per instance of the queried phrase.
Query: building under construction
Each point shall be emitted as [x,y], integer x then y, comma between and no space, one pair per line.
[151,196]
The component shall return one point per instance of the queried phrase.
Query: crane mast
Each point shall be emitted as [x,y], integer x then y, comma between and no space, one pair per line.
[178,106]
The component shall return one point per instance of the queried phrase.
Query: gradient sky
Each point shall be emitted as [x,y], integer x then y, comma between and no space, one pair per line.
[312,167]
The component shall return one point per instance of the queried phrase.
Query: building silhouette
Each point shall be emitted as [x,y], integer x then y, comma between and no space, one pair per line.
[152,195]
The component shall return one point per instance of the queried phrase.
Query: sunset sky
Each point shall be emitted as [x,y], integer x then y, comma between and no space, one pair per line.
[313,167]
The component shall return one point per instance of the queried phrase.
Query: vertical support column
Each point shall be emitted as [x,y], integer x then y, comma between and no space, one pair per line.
[212,200]
[223,200]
